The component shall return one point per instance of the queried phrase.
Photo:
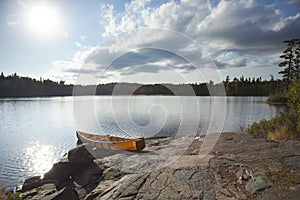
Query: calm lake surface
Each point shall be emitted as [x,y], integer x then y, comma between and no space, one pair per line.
[36,132]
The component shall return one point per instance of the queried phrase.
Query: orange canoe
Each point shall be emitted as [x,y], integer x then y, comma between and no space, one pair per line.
[111,142]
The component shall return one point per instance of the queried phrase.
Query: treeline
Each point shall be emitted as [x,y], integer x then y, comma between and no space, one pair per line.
[253,87]
[17,86]
[236,87]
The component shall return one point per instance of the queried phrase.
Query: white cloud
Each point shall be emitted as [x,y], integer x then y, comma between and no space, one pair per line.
[234,33]
[231,24]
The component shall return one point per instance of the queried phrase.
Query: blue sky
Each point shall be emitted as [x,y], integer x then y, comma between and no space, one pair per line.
[145,40]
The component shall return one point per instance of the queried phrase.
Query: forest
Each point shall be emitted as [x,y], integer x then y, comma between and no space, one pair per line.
[18,86]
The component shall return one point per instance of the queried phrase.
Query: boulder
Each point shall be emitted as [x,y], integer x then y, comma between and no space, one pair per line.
[60,172]
[80,156]
[78,159]
[82,180]
[87,179]
[63,194]
[31,183]
[258,184]
[90,175]
[34,182]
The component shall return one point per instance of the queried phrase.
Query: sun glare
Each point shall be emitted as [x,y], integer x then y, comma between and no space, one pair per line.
[39,158]
[42,20]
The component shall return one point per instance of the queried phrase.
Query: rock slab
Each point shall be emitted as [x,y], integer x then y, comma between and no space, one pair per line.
[238,167]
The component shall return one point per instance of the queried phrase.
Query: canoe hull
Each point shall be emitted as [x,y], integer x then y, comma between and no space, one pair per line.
[111,142]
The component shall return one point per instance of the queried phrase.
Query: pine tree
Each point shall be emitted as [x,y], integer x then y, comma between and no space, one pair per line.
[291,61]
[296,61]
[272,78]
[227,79]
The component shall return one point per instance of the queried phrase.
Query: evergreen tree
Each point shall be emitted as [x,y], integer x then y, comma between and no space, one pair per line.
[242,79]
[290,58]
[272,78]
[296,60]
[227,79]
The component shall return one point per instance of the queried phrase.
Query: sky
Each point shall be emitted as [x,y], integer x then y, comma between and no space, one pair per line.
[145,41]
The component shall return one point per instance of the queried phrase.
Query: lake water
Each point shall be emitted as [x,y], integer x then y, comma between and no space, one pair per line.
[36,132]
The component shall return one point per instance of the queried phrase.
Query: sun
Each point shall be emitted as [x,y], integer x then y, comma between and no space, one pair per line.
[42,20]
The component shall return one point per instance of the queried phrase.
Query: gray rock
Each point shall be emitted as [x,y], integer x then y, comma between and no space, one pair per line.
[269,196]
[160,184]
[85,180]
[292,161]
[80,156]
[64,170]
[112,174]
[60,171]
[99,189]
[246,177]
[260,183]
[197,179]
[31,183]
[89,175]
[34,182]
[39,192]
[63,194]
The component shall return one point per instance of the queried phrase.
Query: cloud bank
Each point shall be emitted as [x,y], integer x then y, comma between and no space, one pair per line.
[231,33]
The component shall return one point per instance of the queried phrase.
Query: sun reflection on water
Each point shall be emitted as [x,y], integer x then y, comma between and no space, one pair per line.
[39,158]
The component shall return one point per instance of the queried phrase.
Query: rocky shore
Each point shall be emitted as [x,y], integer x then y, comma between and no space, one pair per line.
[238,167]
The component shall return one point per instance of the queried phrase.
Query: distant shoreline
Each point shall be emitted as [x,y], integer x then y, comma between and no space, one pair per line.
[16,97]
[134,95]
[16,86]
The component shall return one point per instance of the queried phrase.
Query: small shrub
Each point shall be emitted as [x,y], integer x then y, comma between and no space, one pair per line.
[285,126]
[2,194]
[260,129]
[293,95]
[9,196]
[281,133]
[277,99]
[13,196]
